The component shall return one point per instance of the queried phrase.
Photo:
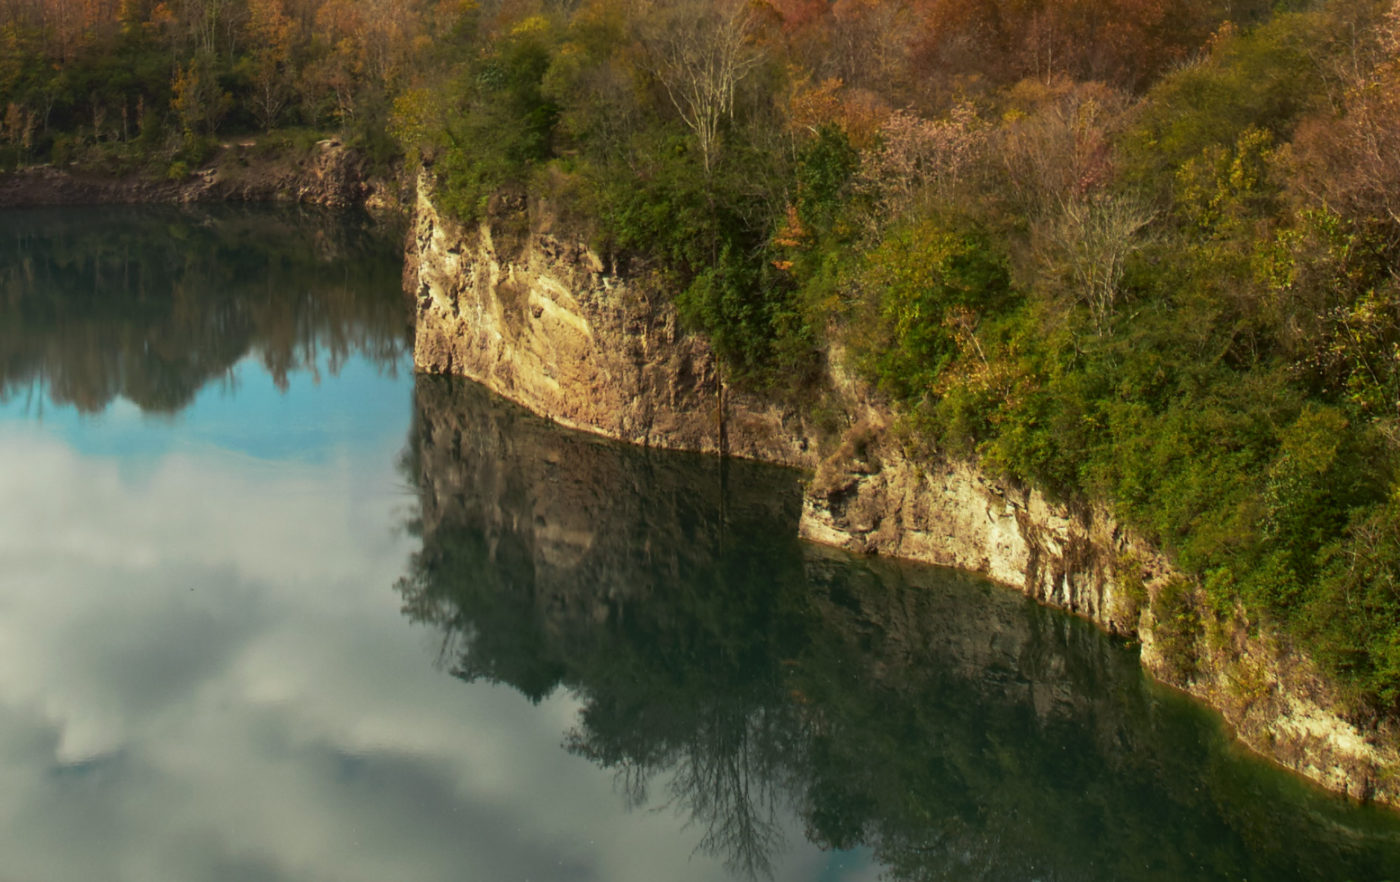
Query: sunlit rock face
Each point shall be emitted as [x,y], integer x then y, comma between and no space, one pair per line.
[536,317]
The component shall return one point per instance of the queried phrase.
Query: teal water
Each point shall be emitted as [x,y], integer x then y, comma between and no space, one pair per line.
[273,608]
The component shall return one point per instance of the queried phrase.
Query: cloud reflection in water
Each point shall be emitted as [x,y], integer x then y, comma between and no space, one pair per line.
[204,674]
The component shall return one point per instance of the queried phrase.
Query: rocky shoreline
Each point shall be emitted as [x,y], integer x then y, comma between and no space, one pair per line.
[538,319]
[330,175]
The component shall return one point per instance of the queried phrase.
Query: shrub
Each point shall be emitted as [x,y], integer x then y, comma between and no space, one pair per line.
[1353,620]
[1178,630]
[924,277]
[503,122]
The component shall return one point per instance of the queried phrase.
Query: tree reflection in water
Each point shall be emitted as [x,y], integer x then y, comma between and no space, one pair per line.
[541,547]
[151,303]
[725,778]
[953,727]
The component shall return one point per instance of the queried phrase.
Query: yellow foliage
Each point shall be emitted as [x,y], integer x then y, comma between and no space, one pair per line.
[530,26]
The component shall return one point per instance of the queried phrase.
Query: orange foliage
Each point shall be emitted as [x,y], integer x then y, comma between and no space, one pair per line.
[1351,161]
[798,15]
[859,113]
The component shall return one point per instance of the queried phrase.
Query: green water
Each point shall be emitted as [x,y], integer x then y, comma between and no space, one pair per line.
[273,608]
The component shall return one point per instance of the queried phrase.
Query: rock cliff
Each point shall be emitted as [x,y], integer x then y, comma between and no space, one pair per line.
[540,320]
[872,497]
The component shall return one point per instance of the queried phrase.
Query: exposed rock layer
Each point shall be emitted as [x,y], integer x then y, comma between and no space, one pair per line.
[949,513]
[543,323]
[540,320]
[330,175]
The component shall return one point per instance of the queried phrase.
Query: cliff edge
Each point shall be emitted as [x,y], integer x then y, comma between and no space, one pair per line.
[539,319]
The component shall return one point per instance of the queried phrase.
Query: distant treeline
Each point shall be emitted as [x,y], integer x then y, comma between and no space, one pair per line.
[1134,251]
[105,81]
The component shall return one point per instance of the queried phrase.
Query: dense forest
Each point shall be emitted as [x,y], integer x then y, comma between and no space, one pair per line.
[116,85]
[1144,252]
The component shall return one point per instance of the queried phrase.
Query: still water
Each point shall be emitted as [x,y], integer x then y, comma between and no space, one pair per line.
[273,608]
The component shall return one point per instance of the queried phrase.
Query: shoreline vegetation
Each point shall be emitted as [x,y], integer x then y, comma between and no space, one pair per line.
[1145,255]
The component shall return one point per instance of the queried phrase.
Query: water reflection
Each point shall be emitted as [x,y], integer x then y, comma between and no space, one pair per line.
[151,303]
[203,672]
[728,671]
[203,676]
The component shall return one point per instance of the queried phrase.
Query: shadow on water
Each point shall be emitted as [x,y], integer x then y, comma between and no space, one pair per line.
[151,303]
[732,672]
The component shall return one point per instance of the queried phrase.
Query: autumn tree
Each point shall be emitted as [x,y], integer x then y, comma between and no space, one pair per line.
[918,162]
[197,99]
[1350,161]
[1056,144]
[272,35]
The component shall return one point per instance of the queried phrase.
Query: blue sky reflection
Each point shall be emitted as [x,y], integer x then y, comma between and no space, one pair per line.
[204,673]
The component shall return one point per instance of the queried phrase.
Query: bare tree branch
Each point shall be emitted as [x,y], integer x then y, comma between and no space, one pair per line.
[703,50]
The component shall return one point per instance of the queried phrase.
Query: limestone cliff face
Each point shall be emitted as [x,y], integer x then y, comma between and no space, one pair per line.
[538,319]
[871,497]
[541,321]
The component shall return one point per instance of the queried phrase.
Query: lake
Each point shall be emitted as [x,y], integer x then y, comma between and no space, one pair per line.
[273,608]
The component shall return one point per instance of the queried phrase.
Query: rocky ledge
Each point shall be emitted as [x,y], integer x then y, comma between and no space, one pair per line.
[330,174]
[538,318]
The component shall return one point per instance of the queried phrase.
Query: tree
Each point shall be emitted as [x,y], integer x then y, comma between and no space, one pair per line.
[197,98]
[919,160]
[272,34]
[18,128]
[1351,162]
[1089,245]
[1056,144]
[702,50]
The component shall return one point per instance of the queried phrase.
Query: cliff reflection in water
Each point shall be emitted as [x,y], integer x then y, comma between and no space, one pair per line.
[958,730]
[151,303]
